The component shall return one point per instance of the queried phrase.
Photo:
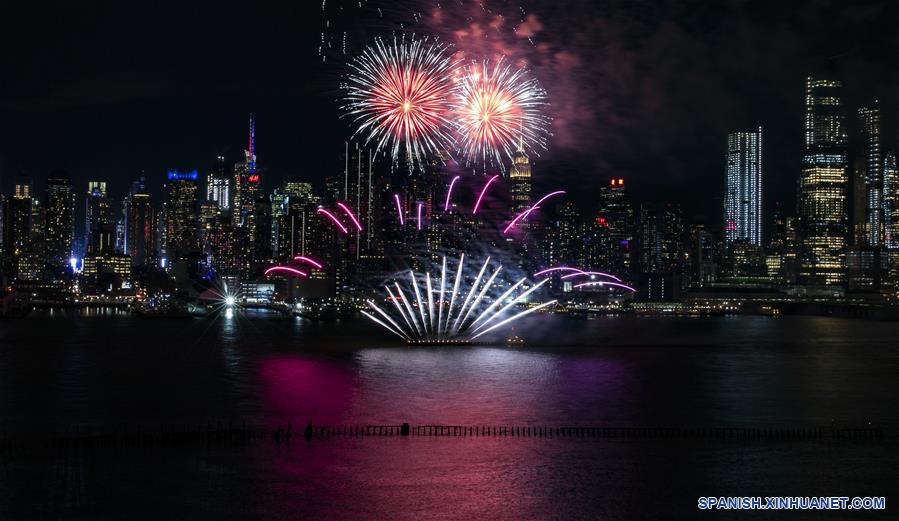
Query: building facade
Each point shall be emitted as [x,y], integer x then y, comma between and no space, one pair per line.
[59,230]
[743,188]
[823,186]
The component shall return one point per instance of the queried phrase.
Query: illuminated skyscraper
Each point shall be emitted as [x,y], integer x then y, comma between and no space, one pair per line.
[520,179]
[247,192]
[218,185]
[99,227]
[247,185]
[891,202]
[823,186]
[743,192]
[17,219]
[873,173]
[613,230]
[181,214]
[59,231]
[140,230]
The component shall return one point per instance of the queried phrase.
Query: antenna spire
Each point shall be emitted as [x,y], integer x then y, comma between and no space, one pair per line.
[251,147]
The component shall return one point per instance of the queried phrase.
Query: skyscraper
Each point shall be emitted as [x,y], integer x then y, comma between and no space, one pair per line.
[181,214]
[873,172]
[743,192]
[247,192]
[661,238]
[891,201]
[59,231]
[218,185]
[615,222]
[823,186]
[140,230]
[247,184]
[17,218]
[520,179]
[99,227]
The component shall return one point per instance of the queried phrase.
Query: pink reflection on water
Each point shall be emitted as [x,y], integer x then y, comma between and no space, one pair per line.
[296,389]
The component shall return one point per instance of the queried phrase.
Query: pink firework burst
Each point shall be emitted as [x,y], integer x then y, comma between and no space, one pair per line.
[398,97]
[497,109]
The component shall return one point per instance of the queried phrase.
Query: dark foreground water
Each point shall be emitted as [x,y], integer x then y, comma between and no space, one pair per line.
[104,372]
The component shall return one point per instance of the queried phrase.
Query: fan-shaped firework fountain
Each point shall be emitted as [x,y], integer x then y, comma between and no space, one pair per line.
[443,315]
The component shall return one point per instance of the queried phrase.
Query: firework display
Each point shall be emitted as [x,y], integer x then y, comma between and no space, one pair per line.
[523,215]
[343,229]
[286,269]
[449,193]
[495,107]
[397,95]
[444,316]
[350,214]
[477,204]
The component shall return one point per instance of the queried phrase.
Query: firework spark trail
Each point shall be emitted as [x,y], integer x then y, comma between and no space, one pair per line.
[558,268]
[436,320]
[387,317]
[511,303]
[449,311]
[449,193]
[591,273]
[408,307]
[333,218]
[495,108]
[440,301]
[349,212]
[477,204]
[496,303]
[396,304]
[309,260]
[515,317]
[471,292]
[421,307]
[418,220]
[605,283]
[430,300]
[287,269]
[480,297]
[523,215]
[397,96]
[385,326]
[399,208]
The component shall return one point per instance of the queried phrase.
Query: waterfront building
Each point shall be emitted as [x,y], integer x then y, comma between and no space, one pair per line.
[823,185]
[59,231]
[107,272]
[99,225]
[181,214]
[140,230]
[615,219]
[891,201]
[16,218]
[872,155]
[743,188]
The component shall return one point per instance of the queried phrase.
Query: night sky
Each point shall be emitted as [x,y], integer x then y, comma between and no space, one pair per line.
[642,89]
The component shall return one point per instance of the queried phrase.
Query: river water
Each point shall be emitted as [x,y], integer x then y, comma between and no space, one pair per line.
[101,370]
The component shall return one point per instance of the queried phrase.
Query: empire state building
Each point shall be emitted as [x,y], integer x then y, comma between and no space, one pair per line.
[520,179]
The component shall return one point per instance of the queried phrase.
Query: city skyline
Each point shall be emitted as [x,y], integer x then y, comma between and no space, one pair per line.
[157,124]
[479,259]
